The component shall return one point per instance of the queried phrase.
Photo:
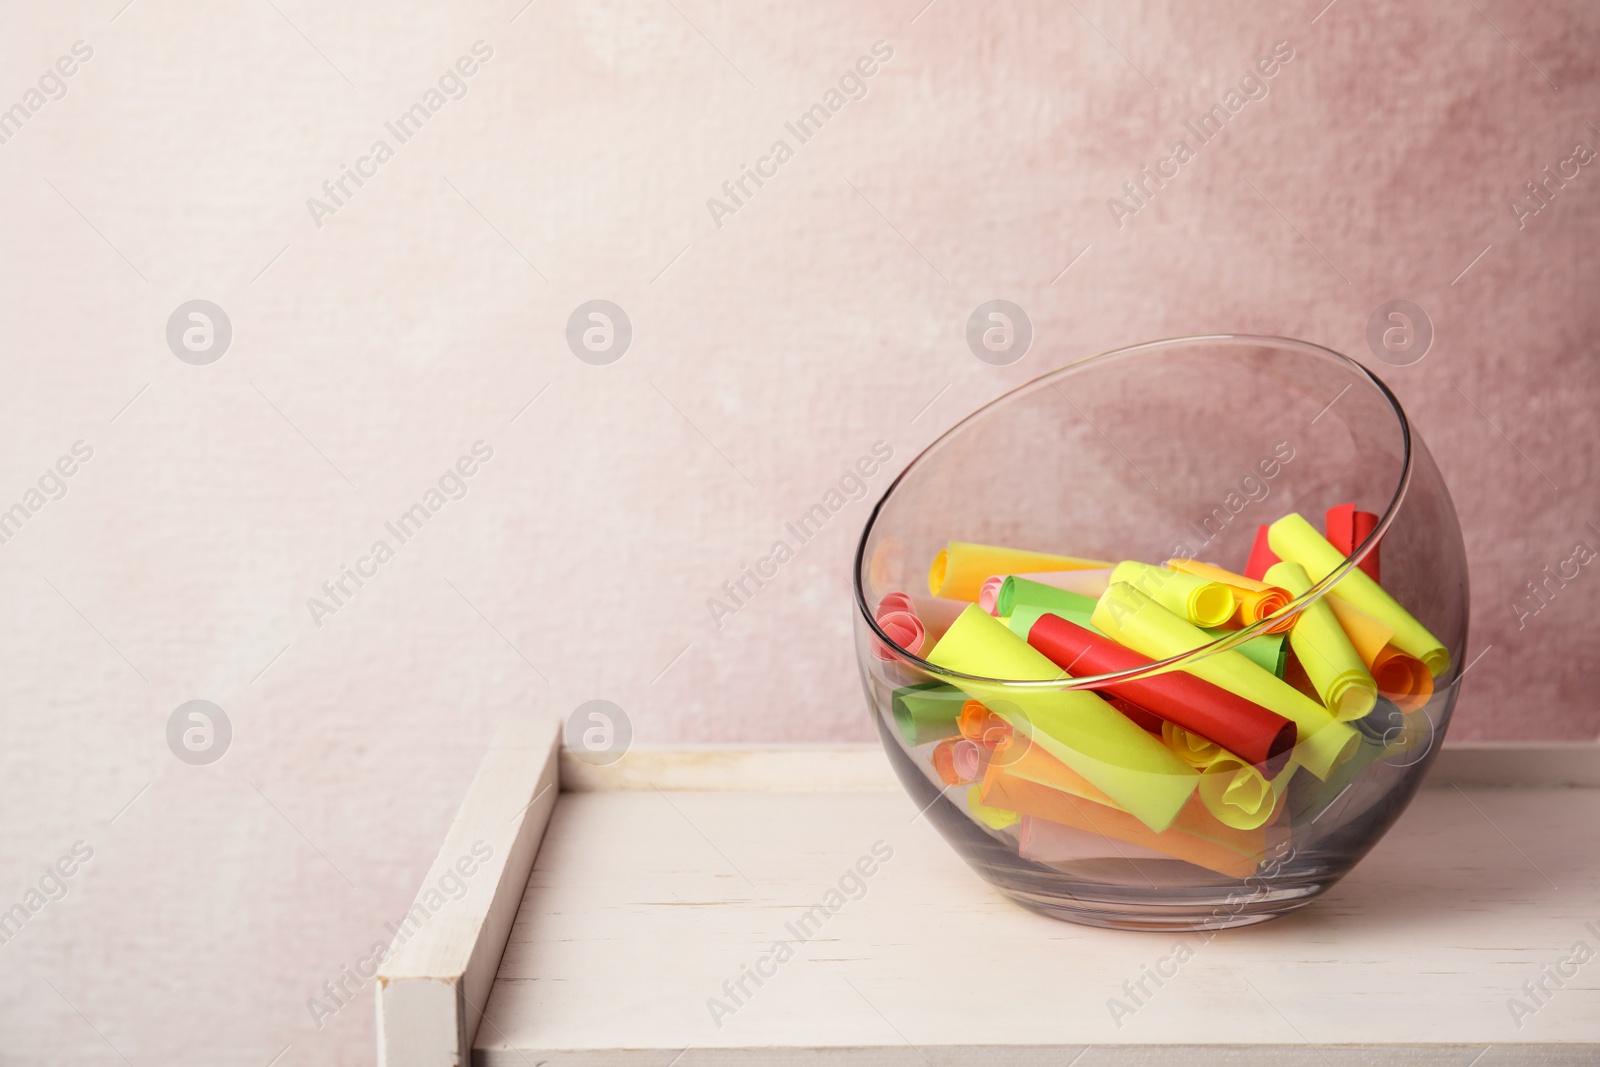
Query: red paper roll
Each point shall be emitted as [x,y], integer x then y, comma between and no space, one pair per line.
[1347,528]
[1243,727]
[1261,556]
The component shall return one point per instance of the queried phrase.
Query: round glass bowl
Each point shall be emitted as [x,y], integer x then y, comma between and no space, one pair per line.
[1179,448]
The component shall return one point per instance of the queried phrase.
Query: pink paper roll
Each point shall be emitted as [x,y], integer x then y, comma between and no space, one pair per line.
[1043,841]
[1085,583]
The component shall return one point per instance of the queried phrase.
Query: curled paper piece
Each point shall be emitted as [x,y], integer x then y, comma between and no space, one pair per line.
[1261,555]
[1021,621]
[967,759]
[1400,677]
[1077,727]
[1257,600]
[1043,841]
[1089,583]
[1202,602]
[1005,790]
[1144,718]
[993,818]
[1239,795]
[1198,706]
[936,614]
[1018,593]
[926,712]
[904,629]
[973,720]
[989,593]
[1293,538]
[1133,619]
[1193,749]
[896,602]
[959,569]
[1346,528]
[1319,642]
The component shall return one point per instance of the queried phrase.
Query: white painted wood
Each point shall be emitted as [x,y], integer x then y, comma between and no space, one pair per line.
[433,986]
[832,768]
[642,904]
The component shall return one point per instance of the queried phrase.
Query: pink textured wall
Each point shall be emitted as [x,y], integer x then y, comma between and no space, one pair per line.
[769,352]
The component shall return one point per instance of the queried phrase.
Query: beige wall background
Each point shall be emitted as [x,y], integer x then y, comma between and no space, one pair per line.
[374,345]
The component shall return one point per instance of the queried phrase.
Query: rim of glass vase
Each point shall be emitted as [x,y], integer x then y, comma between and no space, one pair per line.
[1221,644]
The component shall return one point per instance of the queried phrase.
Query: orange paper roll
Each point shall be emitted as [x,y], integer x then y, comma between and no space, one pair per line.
[1401,677]
[1257,600]
[959,569]
[1004,790]
[944,761]
[973,720]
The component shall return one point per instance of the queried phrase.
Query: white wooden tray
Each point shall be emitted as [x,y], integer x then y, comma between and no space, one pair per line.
[662,925]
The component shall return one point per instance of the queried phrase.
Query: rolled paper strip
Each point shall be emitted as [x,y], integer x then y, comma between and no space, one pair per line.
[1029,798]
[944,761]
[1031,762]
[904,629]
[973,720]
[1202,602]
[993,818]
[1133,619]
[1257,600]
[1075,726]
[1346,528]
[1017,593]
[1089,583]
[1401,677]
[1330,660]
[1193,749]
[1043,841]
[967,760]
[996,735]
[1240,796]
[1261,555]
[1021,621]
[959,569]
[926,712]
[1231,721]
[989,591]
[1293,538]
[1144,718]
[896,602]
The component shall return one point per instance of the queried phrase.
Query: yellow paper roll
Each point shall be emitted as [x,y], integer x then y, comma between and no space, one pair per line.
[1294,539]
[992,817]
[1401,677]
[1132,619]
[1202,602]
[1131,766]
[1257,600]
[1330,660]
[1193,749]
[1238,795]
[958,570]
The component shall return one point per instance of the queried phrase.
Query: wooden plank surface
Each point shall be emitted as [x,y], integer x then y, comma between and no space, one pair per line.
[432,987]
[642,904]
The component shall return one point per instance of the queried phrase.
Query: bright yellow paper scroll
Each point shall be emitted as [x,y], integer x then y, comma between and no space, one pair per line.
[1201,601]
[1400,676]
[1193,749]
[1319,642]
[1131,766]
[958,571]
[1294,539]
[1239,795]
[1256,599]
[1134,620]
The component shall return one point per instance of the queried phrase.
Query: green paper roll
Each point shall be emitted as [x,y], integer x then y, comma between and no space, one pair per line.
[926,712]
[1021,621]
[1133,619]
[1018,593]
[1267,651]
[1132,767]
[1185,595]
[1331,662]
[1296,540]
